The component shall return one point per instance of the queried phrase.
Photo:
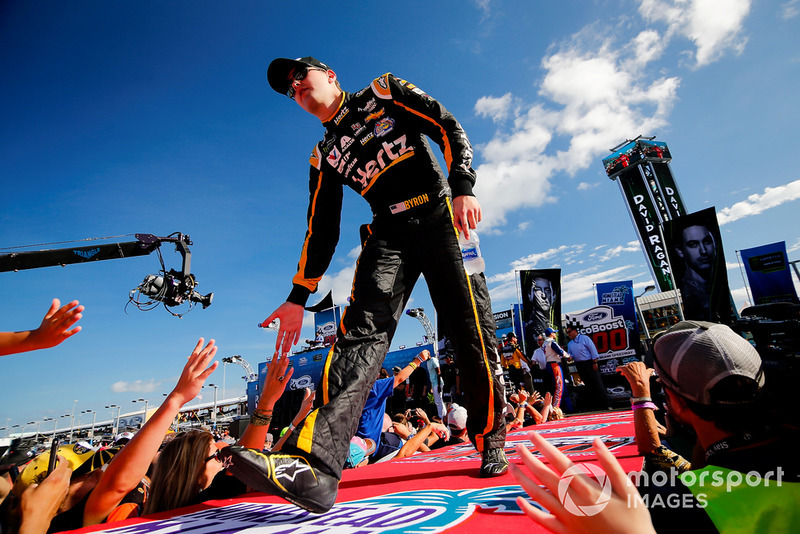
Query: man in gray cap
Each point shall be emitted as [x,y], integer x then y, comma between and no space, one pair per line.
[713,382]
[375,143]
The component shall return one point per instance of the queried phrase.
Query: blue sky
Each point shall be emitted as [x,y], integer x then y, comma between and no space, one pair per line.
[155,117]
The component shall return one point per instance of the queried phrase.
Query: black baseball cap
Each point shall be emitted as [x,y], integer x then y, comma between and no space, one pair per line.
[280,68]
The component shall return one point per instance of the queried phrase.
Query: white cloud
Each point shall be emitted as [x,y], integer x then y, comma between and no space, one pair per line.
[507,281]
[790,9]
[795,247]
[562,253]
[484,6]
[138,386]
[339,282]
[584,186]
[497,109]
[714,26]
[631,246]
[579,285]
[647,46]
[594,91]
[755,204]
[598,95]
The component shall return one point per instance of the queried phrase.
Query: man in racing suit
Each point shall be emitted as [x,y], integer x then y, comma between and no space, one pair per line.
[375,144]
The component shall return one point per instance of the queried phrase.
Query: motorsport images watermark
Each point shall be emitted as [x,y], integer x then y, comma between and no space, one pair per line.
[730,480]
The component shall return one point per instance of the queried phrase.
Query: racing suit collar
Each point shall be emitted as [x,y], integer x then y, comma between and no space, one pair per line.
[342,100]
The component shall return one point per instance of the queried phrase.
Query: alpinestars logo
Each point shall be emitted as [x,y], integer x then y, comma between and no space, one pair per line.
[291,470]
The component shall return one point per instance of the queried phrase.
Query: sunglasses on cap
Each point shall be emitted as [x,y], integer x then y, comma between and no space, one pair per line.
[298,76]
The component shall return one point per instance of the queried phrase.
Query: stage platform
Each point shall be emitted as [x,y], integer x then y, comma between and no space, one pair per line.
[427,493]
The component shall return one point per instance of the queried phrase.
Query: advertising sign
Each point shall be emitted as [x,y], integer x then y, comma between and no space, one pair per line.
[651,195]
[768,273]
[668,189]
[619,296]
[504,322]
[609,333]
[647,221]
[326,322]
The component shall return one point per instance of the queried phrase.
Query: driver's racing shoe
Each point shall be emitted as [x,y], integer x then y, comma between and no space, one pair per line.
[285,475]
[494,463]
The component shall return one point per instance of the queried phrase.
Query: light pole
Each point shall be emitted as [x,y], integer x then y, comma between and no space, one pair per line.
[214,412]
[46,419]
[94,418]
[641,313]
[55,426]
[38,424]
[225,362]
[144,416]
[430,333]
[72,420]
[116,421]
[78,426]
[70,430]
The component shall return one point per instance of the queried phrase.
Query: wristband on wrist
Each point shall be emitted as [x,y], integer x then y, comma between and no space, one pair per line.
[259,420]
[634,400]
[412,365]
[524,404]
[291,427]
[644,405]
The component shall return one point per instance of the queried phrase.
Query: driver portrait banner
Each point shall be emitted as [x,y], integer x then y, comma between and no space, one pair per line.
[541,303]
[694,245]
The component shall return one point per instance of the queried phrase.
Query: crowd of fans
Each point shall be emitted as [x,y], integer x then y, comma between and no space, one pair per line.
[701,411]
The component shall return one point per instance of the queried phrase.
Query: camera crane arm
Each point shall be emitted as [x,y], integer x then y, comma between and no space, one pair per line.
[172,288]
[144,245]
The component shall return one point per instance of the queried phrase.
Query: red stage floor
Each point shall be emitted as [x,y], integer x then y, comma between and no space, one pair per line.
[427,493]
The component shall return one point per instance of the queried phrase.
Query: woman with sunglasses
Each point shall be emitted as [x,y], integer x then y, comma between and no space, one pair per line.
[187,470]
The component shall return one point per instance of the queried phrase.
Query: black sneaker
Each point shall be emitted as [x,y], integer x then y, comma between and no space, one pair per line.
[285,475]
[494,463]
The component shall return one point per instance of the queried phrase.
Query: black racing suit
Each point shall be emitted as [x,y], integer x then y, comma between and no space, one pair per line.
[375,144]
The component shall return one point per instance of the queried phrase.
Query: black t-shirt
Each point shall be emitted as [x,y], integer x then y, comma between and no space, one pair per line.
[419,379]
[449,374]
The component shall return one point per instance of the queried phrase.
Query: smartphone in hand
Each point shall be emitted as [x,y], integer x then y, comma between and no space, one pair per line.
[53,456]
